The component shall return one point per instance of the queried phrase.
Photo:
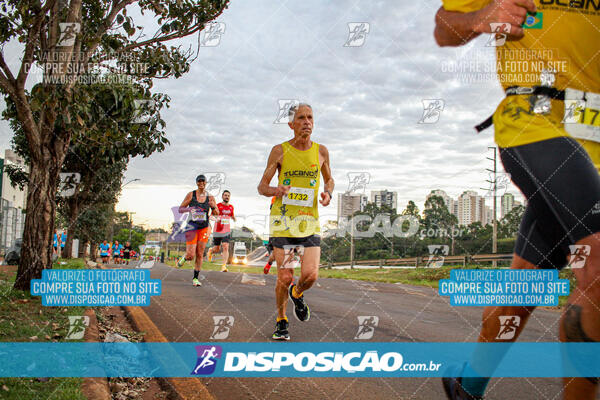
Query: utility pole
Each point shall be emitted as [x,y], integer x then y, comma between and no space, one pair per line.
[352,243]
[130,224]
[494,183]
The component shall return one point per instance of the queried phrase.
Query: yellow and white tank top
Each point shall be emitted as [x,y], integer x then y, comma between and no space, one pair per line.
[297,213]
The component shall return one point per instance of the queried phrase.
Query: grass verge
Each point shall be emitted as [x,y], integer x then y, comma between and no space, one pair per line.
[24,319]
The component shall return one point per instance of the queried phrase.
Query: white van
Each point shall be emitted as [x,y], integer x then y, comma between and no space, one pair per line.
[239,253]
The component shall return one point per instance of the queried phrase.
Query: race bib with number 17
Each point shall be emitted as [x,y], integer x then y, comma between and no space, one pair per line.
[582,114]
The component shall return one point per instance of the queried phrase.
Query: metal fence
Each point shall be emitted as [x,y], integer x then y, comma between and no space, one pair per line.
[12,222]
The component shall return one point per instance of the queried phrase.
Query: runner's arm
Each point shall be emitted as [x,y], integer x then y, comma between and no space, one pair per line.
[454,28]
[185,203]
[327,177]
[213,206]
[273,163]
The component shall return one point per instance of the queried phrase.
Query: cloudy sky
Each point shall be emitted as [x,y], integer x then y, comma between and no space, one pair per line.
[367,102]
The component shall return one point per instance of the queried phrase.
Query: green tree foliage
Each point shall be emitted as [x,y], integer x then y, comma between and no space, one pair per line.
[509,225]
[92,225]
[437,216]
[412,209]
[137,238]
[65,41]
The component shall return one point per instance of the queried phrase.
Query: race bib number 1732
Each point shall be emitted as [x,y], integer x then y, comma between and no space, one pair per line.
[300,197]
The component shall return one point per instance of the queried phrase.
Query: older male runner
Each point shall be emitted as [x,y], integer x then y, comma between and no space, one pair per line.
[294,219]
[535,126]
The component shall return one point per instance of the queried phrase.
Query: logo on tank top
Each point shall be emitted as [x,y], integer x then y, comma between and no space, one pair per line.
[302,173]
[572,5]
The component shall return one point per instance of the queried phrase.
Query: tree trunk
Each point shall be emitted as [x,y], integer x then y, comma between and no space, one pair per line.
[48,149]
[93,250]
[36,252]
[73,215]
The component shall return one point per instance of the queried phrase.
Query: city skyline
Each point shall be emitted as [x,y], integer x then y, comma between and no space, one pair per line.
[460,206]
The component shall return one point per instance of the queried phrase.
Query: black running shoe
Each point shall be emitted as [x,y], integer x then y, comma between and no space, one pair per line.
[301,310]
[281,330]
[454,388]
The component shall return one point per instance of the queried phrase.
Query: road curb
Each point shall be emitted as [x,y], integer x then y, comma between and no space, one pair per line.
[185,388]
[94,388]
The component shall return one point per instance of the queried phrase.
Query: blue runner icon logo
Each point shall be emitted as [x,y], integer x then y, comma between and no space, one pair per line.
[207,359]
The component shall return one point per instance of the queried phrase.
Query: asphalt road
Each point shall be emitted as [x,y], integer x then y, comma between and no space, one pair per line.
[406,313]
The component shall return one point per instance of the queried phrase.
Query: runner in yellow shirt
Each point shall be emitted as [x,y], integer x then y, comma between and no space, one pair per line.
[294,219]
[548,57]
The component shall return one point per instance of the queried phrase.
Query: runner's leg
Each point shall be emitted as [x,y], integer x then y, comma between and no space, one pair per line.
[309,270]
[199,255]
[580,321]
[212,251]
[542,249]
[285,276]
[190,250]
[225,252]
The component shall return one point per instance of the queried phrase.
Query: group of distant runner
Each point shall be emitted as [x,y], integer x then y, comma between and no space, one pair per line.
[59,241]
[117,252]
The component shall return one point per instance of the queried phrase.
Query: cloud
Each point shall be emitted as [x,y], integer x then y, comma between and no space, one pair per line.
[367,102]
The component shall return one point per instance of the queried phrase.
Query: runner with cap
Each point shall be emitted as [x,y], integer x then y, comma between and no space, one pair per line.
[198,203]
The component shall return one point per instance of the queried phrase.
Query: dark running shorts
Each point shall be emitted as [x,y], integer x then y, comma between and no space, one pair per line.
[270,245]
[562,189]
[308,241]
[217,240]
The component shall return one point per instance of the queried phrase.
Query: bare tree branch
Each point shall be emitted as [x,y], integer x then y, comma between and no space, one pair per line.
[8,86]
[7,72]
[29,50]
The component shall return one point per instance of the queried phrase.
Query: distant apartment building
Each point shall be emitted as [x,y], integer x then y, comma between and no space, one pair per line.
[381,197]
[348,204]
[507,203]
[472,208]
[12,204]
